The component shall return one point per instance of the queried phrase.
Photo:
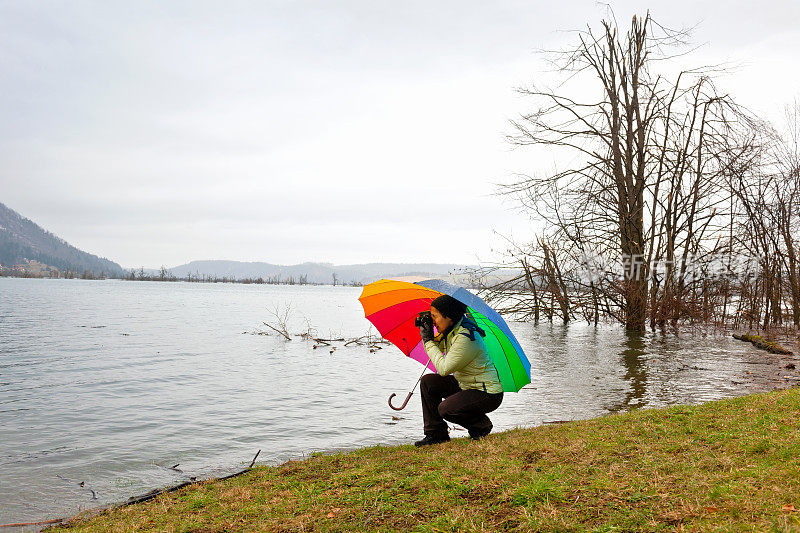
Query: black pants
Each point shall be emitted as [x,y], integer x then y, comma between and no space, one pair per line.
[443,399]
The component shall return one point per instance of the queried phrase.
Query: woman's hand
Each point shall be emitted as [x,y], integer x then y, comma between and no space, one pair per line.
[426,331]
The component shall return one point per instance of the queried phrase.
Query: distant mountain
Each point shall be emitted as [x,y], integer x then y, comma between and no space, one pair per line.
[313,272]
[24,244]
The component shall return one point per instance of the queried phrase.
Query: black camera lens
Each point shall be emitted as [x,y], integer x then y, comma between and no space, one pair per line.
[422,319]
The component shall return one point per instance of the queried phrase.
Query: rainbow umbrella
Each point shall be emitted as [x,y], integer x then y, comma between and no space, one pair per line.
[392,305]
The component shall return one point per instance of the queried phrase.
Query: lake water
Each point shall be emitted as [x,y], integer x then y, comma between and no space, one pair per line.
[111,382]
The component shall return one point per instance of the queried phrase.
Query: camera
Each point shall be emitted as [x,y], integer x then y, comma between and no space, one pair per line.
[423,318]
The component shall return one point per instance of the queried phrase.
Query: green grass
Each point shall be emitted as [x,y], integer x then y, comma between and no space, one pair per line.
[731,465]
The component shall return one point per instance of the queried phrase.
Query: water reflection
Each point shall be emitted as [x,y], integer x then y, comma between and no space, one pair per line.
[633,360]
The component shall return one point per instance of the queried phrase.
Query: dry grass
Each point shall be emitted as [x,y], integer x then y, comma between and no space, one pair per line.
[732,465]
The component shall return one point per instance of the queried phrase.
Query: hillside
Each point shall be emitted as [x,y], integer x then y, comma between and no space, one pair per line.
[29,247]
[313,272]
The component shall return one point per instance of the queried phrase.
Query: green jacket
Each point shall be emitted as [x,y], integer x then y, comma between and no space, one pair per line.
[468,360]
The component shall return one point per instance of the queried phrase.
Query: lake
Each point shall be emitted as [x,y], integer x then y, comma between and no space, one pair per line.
[110,383]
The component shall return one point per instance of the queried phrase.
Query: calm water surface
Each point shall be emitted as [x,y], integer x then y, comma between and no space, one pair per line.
[110,382]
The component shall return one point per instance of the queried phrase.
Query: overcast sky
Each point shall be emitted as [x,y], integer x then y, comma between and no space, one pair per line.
[162,132]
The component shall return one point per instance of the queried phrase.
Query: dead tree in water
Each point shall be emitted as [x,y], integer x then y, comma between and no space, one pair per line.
[611,136]
[647,188]
[768,216]
[788,207]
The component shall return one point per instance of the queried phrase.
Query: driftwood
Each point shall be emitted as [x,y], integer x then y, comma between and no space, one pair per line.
[285,335]
[369,340]
[158,492]
[41,523]
[765,344]
[173,467]
[326,342]
[253,462]
[153,493]
[373,342]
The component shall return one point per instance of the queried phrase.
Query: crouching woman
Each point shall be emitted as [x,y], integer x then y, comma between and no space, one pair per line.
[466,385]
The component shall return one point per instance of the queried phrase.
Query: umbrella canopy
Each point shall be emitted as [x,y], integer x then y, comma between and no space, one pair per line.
[392,306]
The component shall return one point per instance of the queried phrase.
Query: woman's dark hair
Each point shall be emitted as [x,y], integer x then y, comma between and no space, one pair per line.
[449,307]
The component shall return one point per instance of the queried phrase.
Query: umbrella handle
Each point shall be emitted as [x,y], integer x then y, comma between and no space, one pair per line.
[404,403]
[409,393]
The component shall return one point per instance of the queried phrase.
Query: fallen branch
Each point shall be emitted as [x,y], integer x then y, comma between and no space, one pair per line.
[173,467]
[368,340]
[281,315]
[765,344]
[373,342]
[157,492]
[285,335]
[253,462]
[41,523]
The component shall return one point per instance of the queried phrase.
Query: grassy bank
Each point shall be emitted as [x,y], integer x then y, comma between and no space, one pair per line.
[729,465]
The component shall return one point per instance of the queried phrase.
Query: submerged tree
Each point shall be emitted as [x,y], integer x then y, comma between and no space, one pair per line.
[767,222]
[641,184]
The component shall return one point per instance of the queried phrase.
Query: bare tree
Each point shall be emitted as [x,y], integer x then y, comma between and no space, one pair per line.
[767,214]
[788,205]
[643,183]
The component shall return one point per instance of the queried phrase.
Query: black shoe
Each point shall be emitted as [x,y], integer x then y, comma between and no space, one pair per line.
[432,439]
[479,434]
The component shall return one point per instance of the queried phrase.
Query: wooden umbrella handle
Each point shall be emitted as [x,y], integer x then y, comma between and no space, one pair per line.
[410,393]
[404,403]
